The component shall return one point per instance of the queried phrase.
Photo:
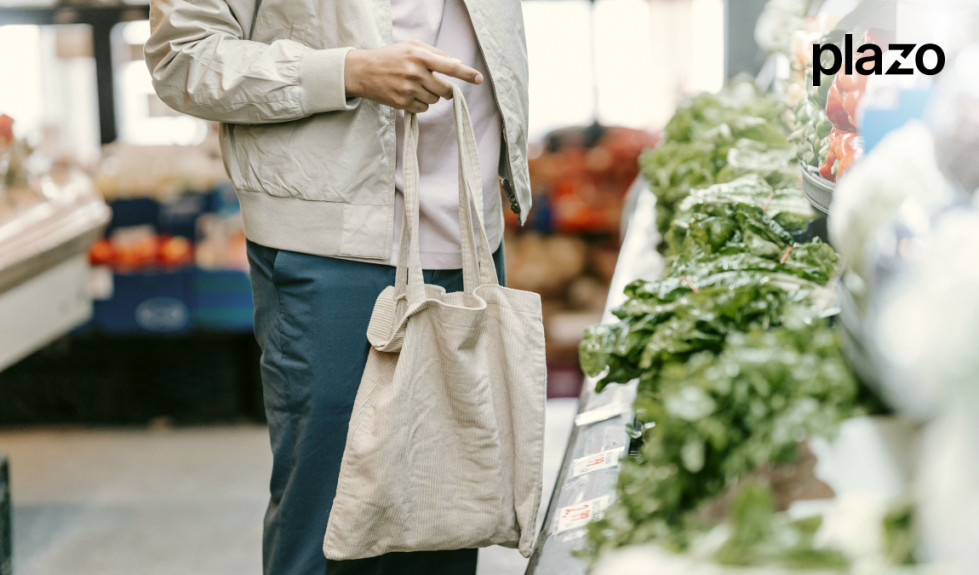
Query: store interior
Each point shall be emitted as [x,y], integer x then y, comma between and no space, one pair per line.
[758,278]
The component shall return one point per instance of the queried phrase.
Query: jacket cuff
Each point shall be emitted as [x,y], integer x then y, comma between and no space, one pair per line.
[321,78]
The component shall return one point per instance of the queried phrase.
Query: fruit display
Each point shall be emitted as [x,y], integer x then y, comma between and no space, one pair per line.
[188,251]
[176,236]
[579,177]
[140,251]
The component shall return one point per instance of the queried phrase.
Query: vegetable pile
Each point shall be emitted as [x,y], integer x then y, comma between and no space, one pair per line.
[736,368]
[716,138]
[721,422]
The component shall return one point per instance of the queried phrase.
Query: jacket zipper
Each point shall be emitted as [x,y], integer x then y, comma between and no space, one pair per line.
[508,176]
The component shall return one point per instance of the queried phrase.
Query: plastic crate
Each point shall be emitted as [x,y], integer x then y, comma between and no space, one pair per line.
[159,302]
[222,200]
[178,217]
[133,212]
[223,300]
[175,217]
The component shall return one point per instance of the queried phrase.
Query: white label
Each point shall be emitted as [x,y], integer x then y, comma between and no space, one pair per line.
[600,413]
[100,282]
[603,460]
[579,515]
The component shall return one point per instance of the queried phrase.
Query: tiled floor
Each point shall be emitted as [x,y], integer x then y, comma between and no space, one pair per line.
[167,501]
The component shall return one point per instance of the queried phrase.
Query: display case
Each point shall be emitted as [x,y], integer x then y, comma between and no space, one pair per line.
[46,228]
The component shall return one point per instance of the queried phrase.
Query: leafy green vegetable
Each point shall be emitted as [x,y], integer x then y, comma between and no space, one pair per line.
[777,166]
[716,138]
[674,168]
[899,534]
[749,111]
[814,261]
[735,368]
[735,269]
[670,320]
[712,228]
[787,207]
[760,537]
[714,419]
[719,236]
[812,130]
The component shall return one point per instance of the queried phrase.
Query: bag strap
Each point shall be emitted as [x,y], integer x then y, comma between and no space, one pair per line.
[477,263]
[408,279]
[482,269]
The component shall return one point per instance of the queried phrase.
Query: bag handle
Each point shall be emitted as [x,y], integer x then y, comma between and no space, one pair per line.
[477,263]
[471,197]
[408,279]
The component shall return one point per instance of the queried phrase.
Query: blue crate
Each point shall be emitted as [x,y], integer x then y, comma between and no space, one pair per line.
[131,212]
[159,302]
[222,200]
[223,300]
[178,216]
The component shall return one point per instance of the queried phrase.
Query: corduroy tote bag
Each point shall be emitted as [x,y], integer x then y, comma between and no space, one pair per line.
[445,441]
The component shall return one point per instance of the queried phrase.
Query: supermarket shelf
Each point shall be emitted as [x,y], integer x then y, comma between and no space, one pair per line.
[50,233]
[556,544]
[44,267]
[43,308]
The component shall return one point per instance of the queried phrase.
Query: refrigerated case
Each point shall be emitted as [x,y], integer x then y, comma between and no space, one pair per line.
[46,229]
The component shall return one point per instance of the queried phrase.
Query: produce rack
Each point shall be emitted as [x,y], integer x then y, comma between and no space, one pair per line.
[158,294]
[587,478]
[43,266]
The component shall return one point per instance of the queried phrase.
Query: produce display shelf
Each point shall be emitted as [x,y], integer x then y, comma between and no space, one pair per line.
[587,478]
[56,235]
[44,271]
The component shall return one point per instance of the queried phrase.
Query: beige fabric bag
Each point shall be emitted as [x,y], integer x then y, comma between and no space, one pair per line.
[445,442]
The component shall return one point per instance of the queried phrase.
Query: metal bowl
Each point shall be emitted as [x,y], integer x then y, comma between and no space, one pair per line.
[818,190]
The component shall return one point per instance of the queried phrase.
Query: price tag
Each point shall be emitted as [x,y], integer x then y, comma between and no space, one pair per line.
[607,411]
[575,516]
[603,460]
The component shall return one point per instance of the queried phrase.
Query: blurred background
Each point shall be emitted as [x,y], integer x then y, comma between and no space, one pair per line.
[132,434]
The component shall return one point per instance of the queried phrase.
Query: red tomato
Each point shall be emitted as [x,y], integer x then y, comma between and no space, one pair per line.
[101,253]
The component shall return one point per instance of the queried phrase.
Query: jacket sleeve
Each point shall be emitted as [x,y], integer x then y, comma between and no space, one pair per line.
[202,65]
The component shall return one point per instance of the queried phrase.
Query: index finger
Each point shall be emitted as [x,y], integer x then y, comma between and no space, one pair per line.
[454,68]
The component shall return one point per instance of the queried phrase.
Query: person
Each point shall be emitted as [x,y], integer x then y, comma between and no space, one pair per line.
[311,97]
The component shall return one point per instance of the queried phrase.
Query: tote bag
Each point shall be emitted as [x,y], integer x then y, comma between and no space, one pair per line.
[445,441]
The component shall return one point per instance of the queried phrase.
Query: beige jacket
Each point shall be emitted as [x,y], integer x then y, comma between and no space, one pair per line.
[314,170]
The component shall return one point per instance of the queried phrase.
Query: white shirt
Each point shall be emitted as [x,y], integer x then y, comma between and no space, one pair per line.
[445,24]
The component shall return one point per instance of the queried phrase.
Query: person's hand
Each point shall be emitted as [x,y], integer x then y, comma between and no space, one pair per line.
[403,76]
